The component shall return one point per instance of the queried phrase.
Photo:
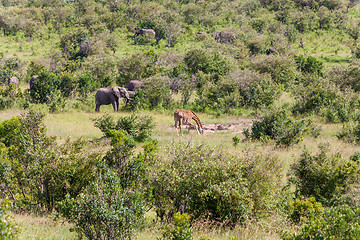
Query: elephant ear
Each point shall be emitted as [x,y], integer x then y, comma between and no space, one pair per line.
[116,91]
[124,93]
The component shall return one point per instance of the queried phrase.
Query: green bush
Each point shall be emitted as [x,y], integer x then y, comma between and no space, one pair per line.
[43,87]
[207,183]
[340,222]
[242,88]
[115,200]
[279,126]
[8,228]
[282,69]
[104,210]
[327,177]
[180,230]
[301,210]
[309,64]
[155,93]
[40,170]
[137,127]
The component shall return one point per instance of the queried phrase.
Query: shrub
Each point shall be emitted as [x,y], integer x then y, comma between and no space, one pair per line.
[8,228]
[180,230]
[309,64]
[199,60]
[300,210]
[280,126]
[323,176]
[282,69]
[340,222]
[114,202]
[43,86]
[104,210]
[207,183]
[155,93]
[238,89]
[41,171]
[350,132]
[137,127]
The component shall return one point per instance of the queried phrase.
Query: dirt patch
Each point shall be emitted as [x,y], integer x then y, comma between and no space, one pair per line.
[233,127]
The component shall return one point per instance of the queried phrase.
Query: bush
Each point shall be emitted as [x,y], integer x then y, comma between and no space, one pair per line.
[104,210]
[323,176]
[40,170]
[43,87]
[137,127]
[242,88]
[180,230]
[8,228]
[282,69]
[340,222]
[300,210]
[207,183]
[279,126]
[309,64]
[155,93]
[114,202]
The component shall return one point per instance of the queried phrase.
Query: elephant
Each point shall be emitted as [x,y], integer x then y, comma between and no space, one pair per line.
[13,80]
[142,31]
[105,96]
[201,35]
[271,51]
[225,37]
[32,80]
[132,85]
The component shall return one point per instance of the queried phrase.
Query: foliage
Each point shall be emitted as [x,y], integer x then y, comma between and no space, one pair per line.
[137,127]
[243,88]
[8,228]
[155,93]
[210,184]
[300,210]
[340,222]
[309,64]
[104,210]
[180,230]
[280,126]
[327,177]
[114,202]
[41,172]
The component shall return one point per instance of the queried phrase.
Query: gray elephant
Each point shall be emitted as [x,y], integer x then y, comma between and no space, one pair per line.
[272,51]
[13,80]
[105,96]
[33,78]
[132,85]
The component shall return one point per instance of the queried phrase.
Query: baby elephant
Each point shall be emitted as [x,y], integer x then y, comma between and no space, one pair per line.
[105,96]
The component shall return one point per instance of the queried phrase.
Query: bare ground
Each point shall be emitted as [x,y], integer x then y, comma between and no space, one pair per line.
[233,127]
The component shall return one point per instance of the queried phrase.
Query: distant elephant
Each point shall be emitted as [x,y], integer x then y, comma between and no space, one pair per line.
[13,80]
[32,80]
[142,31]
[225,37]
[132,85]
[271,51]
[201,35]
[105,96]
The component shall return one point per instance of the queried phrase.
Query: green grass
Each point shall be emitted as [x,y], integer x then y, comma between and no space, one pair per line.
[42,228]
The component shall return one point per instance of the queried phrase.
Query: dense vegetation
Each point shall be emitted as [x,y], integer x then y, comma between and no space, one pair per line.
[208,56]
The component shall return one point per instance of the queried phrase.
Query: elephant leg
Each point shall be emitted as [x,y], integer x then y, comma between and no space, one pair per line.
[114,106]
[117,105]
[97,109]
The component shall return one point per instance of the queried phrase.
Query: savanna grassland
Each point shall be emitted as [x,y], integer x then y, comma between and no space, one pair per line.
[275,84]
